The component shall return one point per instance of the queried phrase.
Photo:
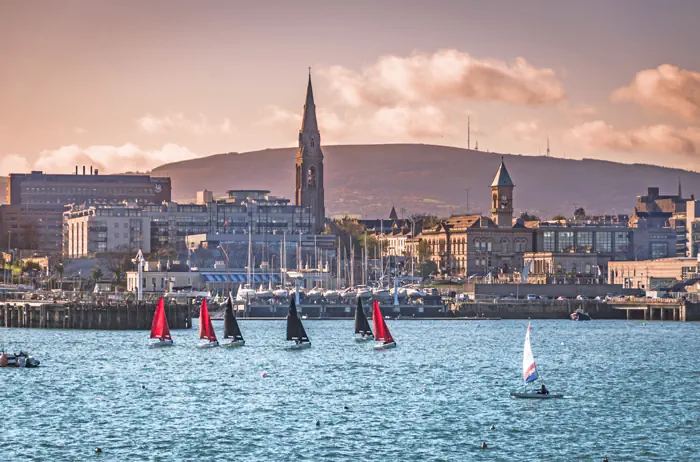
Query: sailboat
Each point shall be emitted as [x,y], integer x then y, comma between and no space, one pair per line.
[160,331]
[207,336]
[231,329]
[381,331]
[362,330]
[530,374]
[295,329]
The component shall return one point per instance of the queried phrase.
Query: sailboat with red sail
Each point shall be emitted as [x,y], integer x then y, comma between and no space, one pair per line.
[160,332]
[207,336]
[381,330]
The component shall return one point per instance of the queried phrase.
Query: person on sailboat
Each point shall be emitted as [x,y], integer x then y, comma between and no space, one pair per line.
[543,390]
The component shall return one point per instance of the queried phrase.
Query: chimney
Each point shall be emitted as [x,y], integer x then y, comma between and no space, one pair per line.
[96,172]
[91,170]
[83,170]
[76,169]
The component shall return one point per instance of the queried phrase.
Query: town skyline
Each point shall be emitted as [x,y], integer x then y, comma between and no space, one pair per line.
[129,86]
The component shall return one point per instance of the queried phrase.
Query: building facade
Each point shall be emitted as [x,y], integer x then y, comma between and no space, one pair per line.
[33,216]
[309,164]
[652,274]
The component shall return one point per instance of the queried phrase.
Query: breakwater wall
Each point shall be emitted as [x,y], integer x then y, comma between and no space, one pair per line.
[333,310]
[522,309]
[109,316]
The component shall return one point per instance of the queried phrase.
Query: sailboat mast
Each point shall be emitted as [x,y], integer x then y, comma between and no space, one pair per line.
[250,252]
[352,263]
[365,276]
[338,259]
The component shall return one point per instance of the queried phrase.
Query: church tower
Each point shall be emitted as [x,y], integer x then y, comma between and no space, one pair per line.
[309,163]
[502,198]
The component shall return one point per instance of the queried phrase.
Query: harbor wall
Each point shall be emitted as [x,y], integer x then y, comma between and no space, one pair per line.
[538,309]
[113,316]
[332,310]
[547,290]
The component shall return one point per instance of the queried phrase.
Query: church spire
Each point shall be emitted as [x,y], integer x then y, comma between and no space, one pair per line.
[680,192]
[308,121]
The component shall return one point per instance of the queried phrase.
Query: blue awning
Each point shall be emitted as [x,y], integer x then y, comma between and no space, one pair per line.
[240,278]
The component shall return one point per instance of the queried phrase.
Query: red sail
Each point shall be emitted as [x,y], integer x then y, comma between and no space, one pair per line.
[206,330]
[381,331]
[159,328]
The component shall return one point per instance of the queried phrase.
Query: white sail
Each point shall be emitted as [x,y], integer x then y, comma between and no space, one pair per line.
[529,366]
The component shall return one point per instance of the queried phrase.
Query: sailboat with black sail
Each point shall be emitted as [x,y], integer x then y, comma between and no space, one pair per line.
[530,374]
[295,329]
[381,330]
[207,336]
[232,333]
[160,332]
[362,330]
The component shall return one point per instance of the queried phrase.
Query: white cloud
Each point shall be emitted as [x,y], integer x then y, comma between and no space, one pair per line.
[667,88]
[523,130]
[276,115]
[445,75]
[409,122]
[179,122]
[653,139]
[13,163]
[109,159]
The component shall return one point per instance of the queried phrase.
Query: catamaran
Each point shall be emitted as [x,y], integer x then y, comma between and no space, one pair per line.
[530,374]
[207,336]
[232,332]
[381,331]
[295,329]
[160,332]
[362,330]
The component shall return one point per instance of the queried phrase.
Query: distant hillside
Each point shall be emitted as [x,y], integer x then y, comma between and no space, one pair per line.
[368,180]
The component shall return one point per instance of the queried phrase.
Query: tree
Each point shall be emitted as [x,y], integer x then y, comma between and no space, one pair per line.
[425,221]
[427,268]
[423,251]
[579,213]
[118,263]
[559,217]
[96,274]
[525,216]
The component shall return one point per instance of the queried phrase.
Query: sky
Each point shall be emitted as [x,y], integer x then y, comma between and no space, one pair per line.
[128,85]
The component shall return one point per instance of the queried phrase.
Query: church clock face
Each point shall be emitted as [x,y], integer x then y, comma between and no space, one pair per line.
[504,201]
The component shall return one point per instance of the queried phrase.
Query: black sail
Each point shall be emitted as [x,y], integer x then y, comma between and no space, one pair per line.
[231,329]
[295,329]
[361,323]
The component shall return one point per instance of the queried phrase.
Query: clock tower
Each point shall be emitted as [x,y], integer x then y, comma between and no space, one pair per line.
[502,198]
[309,164]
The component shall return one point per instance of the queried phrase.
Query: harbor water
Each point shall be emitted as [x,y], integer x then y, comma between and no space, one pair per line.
[631,392]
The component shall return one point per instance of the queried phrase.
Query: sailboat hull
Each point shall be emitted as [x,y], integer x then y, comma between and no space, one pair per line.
[385,346]
[160,343]
[366,338]
[204,345]
[233,344]
[535,395]
[299,346]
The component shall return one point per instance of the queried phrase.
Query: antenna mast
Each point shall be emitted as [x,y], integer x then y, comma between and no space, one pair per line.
[469,133]
[547,146]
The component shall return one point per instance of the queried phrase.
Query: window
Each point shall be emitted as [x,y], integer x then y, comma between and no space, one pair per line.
[603,242]
[584,241]
[116,225]
[549,241]
[504,245]
[659,250]
[116,235]
[566,241]
[622,242]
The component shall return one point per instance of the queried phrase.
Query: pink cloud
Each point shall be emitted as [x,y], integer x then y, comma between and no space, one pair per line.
[667,88]
[653,139]
[443,76]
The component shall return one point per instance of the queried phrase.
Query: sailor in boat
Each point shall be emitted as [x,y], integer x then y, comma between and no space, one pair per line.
[543,390]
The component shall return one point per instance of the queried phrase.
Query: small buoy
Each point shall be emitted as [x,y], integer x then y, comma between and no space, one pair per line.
[484,445]
[346,408]
[98,451]
[318,423]
[143,386]
[263,374]
[605,458]
[492,427]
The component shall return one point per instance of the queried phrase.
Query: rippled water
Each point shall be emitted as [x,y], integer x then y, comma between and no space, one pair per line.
[632,393]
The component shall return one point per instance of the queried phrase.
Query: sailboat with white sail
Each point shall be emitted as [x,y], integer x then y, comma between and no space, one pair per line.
[207,336]
[295,329]
[363,331]
[160,332]
[381,330]
[530,374]
[232,333]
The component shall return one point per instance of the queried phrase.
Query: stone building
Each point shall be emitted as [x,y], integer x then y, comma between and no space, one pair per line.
[309,164]
[652,274]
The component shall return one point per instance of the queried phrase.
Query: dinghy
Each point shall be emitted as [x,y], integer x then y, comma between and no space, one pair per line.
[530,374]
[21,360]
[295,329]
[207,336]
[232,332]
[362,330]
[381,331]
[160,332]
